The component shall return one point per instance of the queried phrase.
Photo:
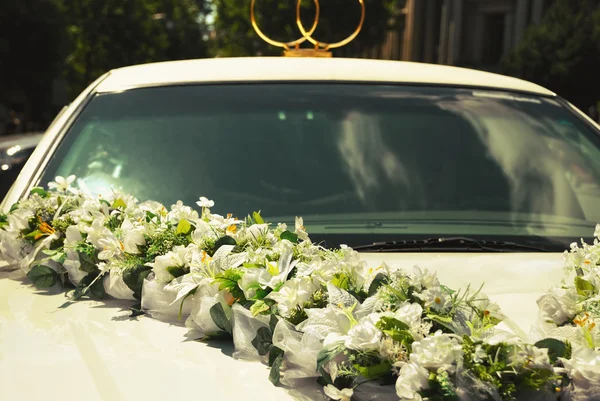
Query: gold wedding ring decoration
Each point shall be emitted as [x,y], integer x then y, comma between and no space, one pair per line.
[320,49]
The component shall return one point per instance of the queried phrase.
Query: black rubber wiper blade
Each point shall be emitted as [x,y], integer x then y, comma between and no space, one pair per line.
[450,244]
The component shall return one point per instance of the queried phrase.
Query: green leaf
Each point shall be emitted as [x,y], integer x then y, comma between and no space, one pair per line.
[556,348]
[217,313]
[388,323]
[89,285]
[14,207]
[87,263]
[189,294]
[107,203]
[257,218]
[274,354]
[275,374]
[34,235]
[379,280]
[136,310]
[134,278]
[329,353]
[119,203]
[42,276]
[374,371]
[184,227]
[176,271]
[584,287]
[259,307]
[224,240]
[273,322]
[263,341]
[341,280]
[290,236]
[40,191]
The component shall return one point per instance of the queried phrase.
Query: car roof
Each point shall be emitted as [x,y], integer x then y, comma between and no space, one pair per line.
[264,69]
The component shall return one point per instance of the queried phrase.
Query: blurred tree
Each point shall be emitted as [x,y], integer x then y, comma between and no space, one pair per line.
[31,52]
[562,53]
[234,35]
[107,34]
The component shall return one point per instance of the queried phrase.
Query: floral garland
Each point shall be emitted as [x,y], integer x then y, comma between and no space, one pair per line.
[308,312]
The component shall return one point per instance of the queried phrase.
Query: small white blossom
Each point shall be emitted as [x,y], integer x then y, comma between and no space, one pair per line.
[436,299]
[62,184]
[205,203]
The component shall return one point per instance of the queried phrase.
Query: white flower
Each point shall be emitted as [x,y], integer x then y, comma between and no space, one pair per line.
[205,202]
[412,379]
[488,308]
[529,356]
[180,212]
[436,299]
[300,230]
[111,248]
[597,231]
[330,324]
[558,305]
[363,336]
[251,282]
[409,313]
[178,257]
[294,292]
[423,279]
[437,351]
[133,236]
[343,395]
[62,184]
[584,370]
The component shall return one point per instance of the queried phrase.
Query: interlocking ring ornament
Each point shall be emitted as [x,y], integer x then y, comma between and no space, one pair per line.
[321,49]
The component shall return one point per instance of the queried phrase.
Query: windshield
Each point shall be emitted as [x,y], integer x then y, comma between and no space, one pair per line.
[360,162]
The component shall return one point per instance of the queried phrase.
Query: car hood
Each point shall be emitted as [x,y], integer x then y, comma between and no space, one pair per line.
[93,351]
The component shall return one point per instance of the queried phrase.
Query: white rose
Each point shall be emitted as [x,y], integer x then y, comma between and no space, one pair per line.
[558,305]
[412,379]
[437,351]
[363,336]
[409,313]
[584,370]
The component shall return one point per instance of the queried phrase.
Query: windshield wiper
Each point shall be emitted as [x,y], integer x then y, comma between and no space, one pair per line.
[450,244]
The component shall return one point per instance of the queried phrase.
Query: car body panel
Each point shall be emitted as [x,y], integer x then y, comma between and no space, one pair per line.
[261,69]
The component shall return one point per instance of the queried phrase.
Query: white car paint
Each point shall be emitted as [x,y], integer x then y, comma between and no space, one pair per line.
[261,69]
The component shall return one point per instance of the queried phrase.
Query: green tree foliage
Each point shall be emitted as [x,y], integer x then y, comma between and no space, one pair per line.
[107,34]
[562,53]
[31,51]
[234,35]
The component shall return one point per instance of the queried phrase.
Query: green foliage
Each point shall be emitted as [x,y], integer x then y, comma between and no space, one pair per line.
[584,287]
[162,242]
[562,53]
[317,300]
[556,349]
[42,276]
[90,285]
[134,278]
[228,279]
[263,341]
[217,313]
[290,236]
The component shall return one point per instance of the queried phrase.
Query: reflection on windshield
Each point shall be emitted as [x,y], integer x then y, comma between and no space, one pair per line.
[368,158]
[537,182]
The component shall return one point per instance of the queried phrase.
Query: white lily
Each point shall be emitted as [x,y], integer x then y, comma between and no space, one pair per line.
[335,394]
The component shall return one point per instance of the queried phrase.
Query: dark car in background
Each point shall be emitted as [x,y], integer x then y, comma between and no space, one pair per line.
[14,152]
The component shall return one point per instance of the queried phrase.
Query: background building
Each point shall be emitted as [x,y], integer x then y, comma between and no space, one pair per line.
[473,33]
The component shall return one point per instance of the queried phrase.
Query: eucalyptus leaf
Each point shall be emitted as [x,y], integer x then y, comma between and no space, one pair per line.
[328,353]
[217,313]
[134,278]
[42,276]
[263,341]
[556,348]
